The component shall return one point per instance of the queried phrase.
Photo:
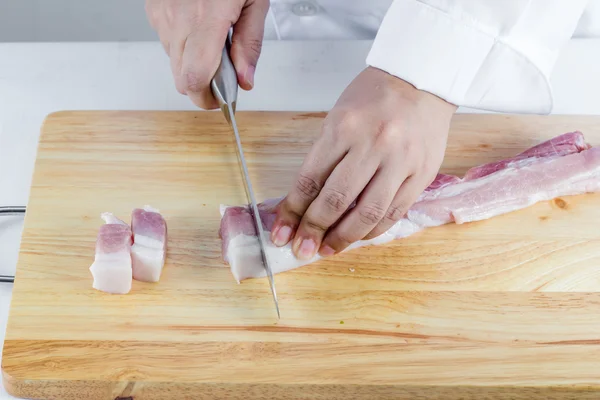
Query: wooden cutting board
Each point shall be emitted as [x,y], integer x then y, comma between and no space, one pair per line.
[506,308]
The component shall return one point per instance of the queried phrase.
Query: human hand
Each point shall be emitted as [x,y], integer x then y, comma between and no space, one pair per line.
[382,144]
[193,34]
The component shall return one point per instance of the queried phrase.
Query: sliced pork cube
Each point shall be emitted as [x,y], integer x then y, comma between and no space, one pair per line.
[149,244]
[111,270]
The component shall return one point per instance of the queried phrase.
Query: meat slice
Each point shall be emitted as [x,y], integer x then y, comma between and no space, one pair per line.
[563,166]
[567,143]
[149,244]
[510,189]
[440,181]
[111,269]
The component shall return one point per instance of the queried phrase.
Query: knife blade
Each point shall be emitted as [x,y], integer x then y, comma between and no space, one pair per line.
[224,86]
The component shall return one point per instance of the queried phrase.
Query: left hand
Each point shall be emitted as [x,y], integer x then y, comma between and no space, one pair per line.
[382,144]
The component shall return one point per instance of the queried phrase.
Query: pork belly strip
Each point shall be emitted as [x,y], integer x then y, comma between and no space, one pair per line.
[562,145]
[562,166]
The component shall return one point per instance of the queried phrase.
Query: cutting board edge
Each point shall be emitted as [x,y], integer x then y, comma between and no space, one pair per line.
[154,390]
[303,114]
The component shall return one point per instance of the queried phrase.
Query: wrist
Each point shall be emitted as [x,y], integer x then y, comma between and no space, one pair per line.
[413,95]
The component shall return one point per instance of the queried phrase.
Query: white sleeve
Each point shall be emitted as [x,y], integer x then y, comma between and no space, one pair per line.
[486,54]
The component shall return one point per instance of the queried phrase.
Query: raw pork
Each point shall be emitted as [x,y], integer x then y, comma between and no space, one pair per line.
[567,143]
[149,244]
[111,269]
[562,166]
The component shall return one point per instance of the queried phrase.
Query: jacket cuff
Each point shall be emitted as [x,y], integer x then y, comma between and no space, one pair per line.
[457,61]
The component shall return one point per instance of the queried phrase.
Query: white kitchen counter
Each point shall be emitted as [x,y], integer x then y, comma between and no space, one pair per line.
[37,79]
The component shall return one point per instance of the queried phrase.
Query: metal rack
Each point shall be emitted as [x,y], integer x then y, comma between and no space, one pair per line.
[9,211]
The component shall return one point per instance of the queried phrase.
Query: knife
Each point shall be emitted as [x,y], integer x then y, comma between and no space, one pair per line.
[224,86]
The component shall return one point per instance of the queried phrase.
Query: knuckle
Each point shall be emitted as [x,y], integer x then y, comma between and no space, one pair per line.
[339,240]
[343,242]
[396,212]
[378,230]
[315,224]
[194,81]
[342,123]
[386,136]
[307,187]
[336,200]
[253,45]
[371,214]
[349,120]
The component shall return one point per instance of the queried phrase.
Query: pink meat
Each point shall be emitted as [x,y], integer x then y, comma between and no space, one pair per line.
[149,244]
[111,269]
[562,166]
[567,143]
[238,220]
[442,180]
[510,189]
[113,238]
[149,223]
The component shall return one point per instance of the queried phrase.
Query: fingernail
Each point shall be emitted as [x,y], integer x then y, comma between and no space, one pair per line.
[283,235]
[326,251]
[307,249]
[249,75]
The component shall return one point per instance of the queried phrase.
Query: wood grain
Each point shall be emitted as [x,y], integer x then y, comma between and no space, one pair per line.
[503,309]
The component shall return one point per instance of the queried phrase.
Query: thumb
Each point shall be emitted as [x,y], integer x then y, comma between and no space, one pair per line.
[246,42]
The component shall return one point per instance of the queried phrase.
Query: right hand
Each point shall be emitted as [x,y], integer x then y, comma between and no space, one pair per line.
[193,34]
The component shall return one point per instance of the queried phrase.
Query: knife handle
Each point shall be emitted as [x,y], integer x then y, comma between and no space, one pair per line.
[224,84]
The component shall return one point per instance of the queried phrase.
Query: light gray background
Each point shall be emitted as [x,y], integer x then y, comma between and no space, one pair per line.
[74,21]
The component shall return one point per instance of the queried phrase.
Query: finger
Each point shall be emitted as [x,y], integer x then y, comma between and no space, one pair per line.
[155,12]
[176,35]
[346,182]
[370,209]
[404,199]
[152,8]
[199,61]
[318,164]
[246,42]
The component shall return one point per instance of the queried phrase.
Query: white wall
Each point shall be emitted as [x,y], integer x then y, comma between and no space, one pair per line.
[74,20]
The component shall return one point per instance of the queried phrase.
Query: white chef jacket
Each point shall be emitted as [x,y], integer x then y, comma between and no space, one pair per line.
[494,55]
